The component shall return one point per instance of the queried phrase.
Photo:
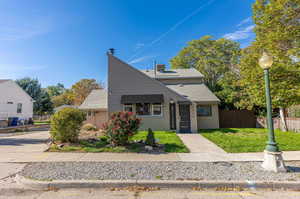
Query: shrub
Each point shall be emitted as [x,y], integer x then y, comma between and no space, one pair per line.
[120,127]
[89,127]
[150,140]
[65,124]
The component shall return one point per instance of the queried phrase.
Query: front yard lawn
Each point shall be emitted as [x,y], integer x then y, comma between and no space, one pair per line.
[171,141]
[239,140]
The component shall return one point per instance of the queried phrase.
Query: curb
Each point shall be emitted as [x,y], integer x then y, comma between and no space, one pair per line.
[60,184]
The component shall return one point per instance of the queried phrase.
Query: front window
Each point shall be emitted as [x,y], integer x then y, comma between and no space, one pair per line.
[157,109]
[128,107]
[89,113]
[204,110]
[143,109]
[19,108]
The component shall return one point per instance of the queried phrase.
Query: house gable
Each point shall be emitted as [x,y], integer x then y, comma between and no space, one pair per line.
[14,94]
[124,79]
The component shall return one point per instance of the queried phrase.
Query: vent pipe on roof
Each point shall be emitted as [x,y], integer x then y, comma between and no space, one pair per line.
[111,51]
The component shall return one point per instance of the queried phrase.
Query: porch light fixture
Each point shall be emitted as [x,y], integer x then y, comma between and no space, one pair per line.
[273,160]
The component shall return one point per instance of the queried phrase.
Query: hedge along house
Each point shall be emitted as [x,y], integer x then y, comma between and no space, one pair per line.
[95,106]
[164,99]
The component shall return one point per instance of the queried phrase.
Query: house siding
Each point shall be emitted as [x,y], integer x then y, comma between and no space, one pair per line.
[182,81]
[11,92]
[98,118]
[125,80]
[211,122]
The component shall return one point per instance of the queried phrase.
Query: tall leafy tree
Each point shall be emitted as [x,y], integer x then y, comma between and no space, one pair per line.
[82,89]
[66,98]
[55,90]
[218,61]
[42,100]
[277,32]
[213,58]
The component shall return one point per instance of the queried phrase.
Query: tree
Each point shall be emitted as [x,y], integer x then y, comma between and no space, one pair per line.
[83,88]
[66,98]
[218,61]
[211,57]
[44,104]
[277,32]
[42,100]
[55,90]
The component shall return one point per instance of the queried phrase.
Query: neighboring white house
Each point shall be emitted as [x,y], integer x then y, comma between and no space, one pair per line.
[14,101]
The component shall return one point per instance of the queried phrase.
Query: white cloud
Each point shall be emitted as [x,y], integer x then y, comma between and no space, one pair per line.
[140,59]
[240,34]
[138,46]
[245,21]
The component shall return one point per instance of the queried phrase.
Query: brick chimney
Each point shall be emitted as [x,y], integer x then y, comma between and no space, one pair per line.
[160,67]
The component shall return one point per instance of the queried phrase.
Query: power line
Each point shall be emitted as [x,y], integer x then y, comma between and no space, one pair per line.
[174,27]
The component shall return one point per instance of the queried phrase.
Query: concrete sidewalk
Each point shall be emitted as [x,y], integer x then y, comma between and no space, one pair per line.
[198,144]
[31,147]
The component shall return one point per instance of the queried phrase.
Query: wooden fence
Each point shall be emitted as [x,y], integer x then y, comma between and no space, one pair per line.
[292,123]
[237,119]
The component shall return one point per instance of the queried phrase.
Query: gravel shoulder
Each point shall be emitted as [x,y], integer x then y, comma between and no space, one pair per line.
[200,171]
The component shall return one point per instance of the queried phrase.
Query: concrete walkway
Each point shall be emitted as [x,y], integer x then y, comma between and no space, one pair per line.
[31,147]
[198,144]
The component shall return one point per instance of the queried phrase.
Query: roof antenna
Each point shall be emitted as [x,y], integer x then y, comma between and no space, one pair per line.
[112,51]
[154,68]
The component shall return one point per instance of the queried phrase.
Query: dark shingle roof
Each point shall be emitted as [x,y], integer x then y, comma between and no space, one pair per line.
[174,73]
[194,92]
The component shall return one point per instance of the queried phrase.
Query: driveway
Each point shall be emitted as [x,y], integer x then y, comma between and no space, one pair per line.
[19,148]
[31,142]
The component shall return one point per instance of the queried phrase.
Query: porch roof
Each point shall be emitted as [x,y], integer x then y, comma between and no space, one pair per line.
[195,92]
[97,99]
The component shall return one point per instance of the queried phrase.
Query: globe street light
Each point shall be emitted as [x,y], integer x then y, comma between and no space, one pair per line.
[272,156]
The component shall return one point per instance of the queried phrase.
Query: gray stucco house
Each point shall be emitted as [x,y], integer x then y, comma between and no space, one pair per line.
[174,99]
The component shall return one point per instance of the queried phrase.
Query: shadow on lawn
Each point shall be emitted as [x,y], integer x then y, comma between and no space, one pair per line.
[223,130]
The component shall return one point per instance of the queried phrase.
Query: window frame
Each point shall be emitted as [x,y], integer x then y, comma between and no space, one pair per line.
[19,107]
[128,105]
[150,109]
[210,110]
[161,109]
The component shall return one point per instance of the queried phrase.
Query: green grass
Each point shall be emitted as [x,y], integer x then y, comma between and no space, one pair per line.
[170,139]
[172,142]
[239,140]
[41,122]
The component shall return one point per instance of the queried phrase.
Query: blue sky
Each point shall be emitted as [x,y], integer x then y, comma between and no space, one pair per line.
[66,40]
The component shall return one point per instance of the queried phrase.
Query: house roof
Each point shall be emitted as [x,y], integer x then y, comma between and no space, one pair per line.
[174,73]
[194,92]
[97,99]
[64,106]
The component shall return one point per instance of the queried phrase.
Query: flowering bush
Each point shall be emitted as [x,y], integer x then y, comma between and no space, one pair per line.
[120,127]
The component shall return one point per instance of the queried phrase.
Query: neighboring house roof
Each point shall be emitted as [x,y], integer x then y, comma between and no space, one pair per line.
[174,73]
[64,106]
[97,99]
[194,92]
[18,87]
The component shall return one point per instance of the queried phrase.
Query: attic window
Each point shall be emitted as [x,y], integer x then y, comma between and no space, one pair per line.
[9,102]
